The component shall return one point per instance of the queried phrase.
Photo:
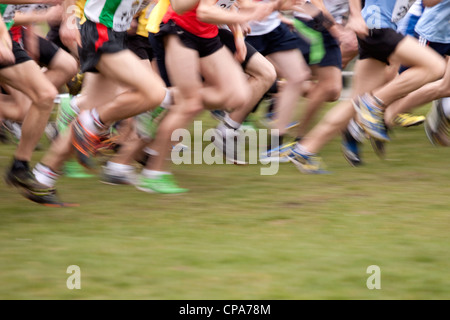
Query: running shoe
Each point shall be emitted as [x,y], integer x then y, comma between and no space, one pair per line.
[30,188]
[66,113]
[309,164]
[278,154]
[371,118]
[3,134]
[437,125]
[407,120]
[85,143]
[351,149]
[379,147]
[147,122]
[164,184]
[228,145]
[14,129]
[115,178]
[219,115]
[51,131]
[72,169]
[248,125]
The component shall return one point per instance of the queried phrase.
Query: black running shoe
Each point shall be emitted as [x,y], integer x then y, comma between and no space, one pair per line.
[30,188]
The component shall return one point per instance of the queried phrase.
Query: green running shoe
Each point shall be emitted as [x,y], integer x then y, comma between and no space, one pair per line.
[72,169]
[147,122]
[66,113]
[164,184]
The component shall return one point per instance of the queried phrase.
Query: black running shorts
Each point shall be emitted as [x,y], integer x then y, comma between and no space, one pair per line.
[20,55]
[227,38]
[97,39]
[140,46]
[204,46]
[379,44]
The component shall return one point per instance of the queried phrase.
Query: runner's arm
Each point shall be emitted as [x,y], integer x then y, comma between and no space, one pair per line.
[209,12]
[430,3]
[50,2]
[181,6]
[6,54]
[356,21]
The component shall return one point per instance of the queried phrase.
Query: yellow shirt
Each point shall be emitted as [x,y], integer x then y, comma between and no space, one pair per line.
[142,22]
[157,15]
[80,4]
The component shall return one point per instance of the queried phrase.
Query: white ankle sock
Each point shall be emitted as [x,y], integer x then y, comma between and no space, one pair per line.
[74,105]
[152,174]
[168,100]
[300,149]
[45,175]
[119,167]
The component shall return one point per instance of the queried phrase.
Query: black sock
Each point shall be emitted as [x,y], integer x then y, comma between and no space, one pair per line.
[20,165]
[280,140]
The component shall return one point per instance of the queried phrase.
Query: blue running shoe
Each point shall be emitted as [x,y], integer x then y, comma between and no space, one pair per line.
[278,154]
[306,164]
[350,149]
[371,118]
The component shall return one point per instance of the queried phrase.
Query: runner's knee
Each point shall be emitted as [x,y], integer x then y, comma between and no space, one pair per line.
[45,97]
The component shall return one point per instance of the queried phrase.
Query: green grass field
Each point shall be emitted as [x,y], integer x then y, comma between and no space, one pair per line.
[240,235]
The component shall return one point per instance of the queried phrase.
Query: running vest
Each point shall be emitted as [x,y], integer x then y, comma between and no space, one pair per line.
[113,14]
[80,5]
[339,9]
[406,25]
[380,14]
[434,25]
[157,13]
[189,22]
[7,11]
[265,26]
[142,23]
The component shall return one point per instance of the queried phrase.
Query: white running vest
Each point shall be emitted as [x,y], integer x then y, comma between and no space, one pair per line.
[114,14]
[265,26]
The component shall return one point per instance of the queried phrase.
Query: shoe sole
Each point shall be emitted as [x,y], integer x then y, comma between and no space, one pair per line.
[116,184]
[35,199]
[415,124]
[302,170]
[273,159]
[151,191]
[351,162]
[430,136]
[380,153]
